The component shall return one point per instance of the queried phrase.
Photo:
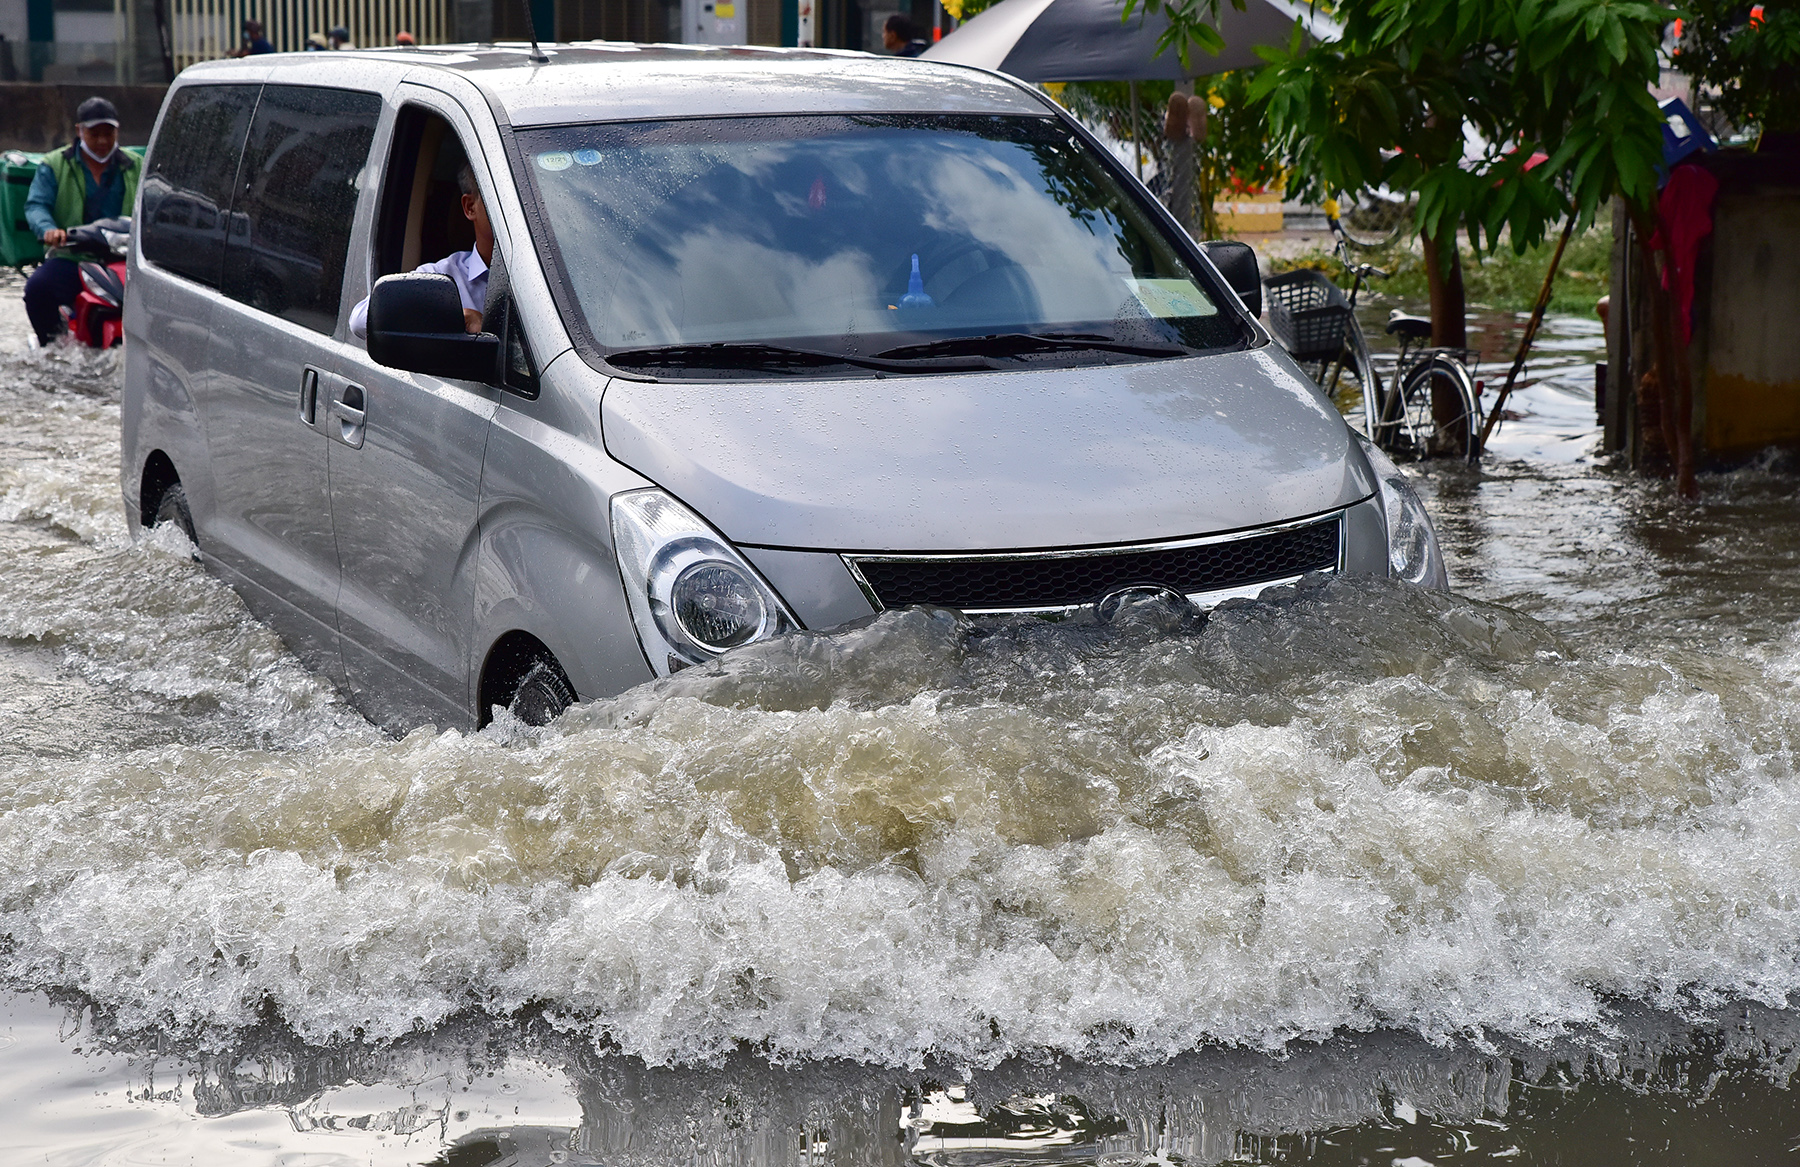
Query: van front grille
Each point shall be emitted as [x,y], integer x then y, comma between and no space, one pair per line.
[1052,580]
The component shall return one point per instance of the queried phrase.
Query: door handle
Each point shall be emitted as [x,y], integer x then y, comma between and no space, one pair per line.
[309,396]
[350,406]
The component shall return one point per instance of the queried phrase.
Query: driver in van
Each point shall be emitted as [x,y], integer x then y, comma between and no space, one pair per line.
[469,269]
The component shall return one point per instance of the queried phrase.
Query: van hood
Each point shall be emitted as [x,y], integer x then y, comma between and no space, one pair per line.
[994,461]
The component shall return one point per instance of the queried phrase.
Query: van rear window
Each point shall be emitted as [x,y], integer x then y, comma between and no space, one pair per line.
[296,201]
[189,177]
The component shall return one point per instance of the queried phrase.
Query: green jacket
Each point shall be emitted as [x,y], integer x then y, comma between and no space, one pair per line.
[71,184]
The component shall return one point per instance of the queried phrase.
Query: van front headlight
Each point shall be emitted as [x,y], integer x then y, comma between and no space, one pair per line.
[692,595]
[1412,545]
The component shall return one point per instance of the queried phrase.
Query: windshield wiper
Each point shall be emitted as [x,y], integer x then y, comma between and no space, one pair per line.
[1012,344]
[758,355]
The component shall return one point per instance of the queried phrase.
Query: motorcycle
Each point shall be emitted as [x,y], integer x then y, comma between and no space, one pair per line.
[100,247]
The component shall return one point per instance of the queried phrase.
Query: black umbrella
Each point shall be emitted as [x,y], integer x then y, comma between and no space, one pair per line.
[1085,40]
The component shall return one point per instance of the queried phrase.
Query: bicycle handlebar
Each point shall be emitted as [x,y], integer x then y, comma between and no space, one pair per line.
[1342,247]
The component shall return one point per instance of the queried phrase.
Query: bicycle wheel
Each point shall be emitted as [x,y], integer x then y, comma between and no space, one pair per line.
[1434,414]
[1375,218]
[1351,382]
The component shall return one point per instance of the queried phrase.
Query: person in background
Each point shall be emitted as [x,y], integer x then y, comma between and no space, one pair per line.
[339,38]
[255,43]
[315,42]
[405,38]
[468,268]
[91,179]
[899,37]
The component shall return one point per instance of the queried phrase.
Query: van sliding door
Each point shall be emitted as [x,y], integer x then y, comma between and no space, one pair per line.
[282,277]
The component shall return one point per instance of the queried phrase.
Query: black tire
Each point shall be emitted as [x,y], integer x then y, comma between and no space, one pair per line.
[1349,381]
[1434,414]
[543,693]
[1374,220]
[172,507]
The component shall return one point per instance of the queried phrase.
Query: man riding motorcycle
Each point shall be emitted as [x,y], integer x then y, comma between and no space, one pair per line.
[92,179]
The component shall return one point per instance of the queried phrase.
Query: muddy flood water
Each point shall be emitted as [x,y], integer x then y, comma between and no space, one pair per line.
[1356,874]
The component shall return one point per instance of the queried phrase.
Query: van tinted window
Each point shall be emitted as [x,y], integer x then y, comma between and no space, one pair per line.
[290,225]
[187,186]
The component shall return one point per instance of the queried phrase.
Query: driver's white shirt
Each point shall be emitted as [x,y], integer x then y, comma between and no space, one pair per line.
[464,267]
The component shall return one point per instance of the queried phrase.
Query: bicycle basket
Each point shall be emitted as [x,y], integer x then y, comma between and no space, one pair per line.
[1307,313]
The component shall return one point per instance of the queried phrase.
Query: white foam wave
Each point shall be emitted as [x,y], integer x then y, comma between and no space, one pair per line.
[1113,845]
[1353,806]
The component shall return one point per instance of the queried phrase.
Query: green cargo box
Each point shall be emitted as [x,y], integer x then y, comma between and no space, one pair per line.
[18,243]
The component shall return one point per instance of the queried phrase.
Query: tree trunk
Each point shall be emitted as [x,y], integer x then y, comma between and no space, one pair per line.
[1443,268]
[1449,325]
[1178,193]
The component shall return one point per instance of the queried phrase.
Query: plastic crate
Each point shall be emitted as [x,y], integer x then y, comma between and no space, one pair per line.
[1307,313]
[18,245]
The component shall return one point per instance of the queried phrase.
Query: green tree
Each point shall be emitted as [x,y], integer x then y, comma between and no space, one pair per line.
[1454,99]
[1235,155]
[1749,58]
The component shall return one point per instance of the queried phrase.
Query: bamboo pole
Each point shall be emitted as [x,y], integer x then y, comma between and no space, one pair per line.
[1531,330]
[1137,143]
[1671,364]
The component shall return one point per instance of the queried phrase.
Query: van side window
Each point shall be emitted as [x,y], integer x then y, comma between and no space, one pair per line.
[421,217]
[290,224]
[188,184]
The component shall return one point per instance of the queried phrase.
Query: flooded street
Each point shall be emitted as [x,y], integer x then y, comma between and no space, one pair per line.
[1354,874]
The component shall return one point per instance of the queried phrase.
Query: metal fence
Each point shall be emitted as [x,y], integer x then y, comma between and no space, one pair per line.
[204,30]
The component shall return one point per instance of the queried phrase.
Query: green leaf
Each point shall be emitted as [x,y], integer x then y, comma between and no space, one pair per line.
[1615,40]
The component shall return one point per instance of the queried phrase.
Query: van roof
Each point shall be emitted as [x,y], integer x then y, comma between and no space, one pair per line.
[617,81]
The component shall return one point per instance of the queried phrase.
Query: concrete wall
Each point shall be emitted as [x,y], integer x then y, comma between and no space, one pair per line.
[15,20]
[1745,355]
[39,117]
[1746,351]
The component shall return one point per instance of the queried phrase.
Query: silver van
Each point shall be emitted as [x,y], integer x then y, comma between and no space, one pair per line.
[767,340]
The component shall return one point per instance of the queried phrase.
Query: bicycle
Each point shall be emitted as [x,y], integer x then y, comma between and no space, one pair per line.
[1431,410]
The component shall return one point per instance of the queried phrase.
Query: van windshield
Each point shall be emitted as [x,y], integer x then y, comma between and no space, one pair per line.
[875,240]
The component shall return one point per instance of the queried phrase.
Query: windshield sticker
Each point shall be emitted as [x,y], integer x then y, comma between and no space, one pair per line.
[555,160]
[1171,299]
[588,157]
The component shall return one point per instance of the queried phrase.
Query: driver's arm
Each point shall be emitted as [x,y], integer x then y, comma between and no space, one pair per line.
[40,207]
[359,315]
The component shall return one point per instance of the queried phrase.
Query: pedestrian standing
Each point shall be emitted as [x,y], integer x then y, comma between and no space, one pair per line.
[899,37]
[255,43]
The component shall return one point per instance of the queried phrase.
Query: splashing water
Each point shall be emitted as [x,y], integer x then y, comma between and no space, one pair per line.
[1352,805]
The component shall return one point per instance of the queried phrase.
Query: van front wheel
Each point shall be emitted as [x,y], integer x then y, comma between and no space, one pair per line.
[523,677]
[172,507]
[542,695]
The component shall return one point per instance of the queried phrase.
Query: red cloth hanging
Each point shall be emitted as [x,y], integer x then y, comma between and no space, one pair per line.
[1685,213]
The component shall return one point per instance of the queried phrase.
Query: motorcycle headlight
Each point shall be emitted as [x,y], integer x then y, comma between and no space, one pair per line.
[692,595]
[1413,553]
[96,287]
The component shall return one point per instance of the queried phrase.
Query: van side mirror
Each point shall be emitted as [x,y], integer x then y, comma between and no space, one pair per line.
[1237,263]
[416,324]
